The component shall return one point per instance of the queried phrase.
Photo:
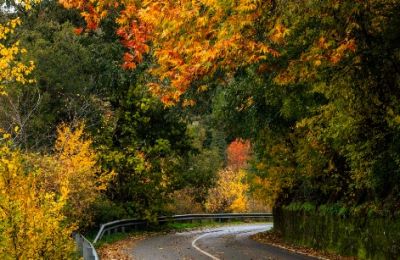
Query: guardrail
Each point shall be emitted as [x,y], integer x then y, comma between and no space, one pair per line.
[85,248]
[134,224]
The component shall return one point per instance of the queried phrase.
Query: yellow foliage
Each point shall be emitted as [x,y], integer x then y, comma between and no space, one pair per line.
[72,173]
[77,170]
[43,198]
[230,192]
[278,33]
[12,70]
[31,221]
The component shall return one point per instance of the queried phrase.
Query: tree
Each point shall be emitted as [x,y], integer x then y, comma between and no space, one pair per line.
[229,193]
[145,145]
[238,154]
[31,216]
[65,87]
[11,68]
[316,97]
[73,169]
[31,221]
[189,39]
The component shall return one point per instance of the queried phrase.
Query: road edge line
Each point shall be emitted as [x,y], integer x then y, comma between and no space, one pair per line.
[201,250]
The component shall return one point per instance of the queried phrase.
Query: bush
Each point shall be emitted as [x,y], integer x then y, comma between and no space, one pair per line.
[106,210]
[32,223]
[334,229]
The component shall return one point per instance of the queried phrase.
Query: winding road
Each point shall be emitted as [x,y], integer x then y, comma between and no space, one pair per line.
[228,242]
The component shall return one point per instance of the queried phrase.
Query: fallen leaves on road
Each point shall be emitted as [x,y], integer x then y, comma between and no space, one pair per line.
[120,250]
[271,238]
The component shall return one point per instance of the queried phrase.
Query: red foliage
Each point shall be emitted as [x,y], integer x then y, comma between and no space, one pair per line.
[78,31]
[238,153]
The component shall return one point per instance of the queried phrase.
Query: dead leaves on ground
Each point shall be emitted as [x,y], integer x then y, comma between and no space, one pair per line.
[120,250]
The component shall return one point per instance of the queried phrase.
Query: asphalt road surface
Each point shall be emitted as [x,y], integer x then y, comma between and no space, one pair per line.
[229,242]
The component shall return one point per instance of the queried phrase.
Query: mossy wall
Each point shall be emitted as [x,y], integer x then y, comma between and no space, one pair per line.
[340,230]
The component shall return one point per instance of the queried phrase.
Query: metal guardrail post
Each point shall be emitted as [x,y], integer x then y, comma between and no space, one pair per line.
[79,243]
[87,252]
[85,248]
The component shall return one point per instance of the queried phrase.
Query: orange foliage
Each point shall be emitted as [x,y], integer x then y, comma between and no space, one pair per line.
[238,153]
[190,38]
[78,31]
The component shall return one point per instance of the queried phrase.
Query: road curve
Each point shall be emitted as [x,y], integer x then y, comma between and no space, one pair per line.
[229,242]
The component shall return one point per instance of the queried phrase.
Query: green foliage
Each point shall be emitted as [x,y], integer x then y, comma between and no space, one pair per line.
[322,111]
[105,210]
[65,88]
[79,78]
[204,162]
[322,116]
[145,145]
[351,234]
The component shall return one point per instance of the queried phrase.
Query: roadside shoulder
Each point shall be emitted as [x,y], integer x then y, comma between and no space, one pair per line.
[119,249]
[274,239]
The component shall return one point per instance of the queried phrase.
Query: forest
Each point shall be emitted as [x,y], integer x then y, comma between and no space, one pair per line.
[136,109]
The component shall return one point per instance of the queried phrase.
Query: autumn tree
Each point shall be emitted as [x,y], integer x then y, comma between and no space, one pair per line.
[238,153]
[229,193]
[313,85]
[80,77]
[73,169]
[47,197]
[31,220]
[313,114]
[31,217]
[71,82]
[12,69]
[189,39]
